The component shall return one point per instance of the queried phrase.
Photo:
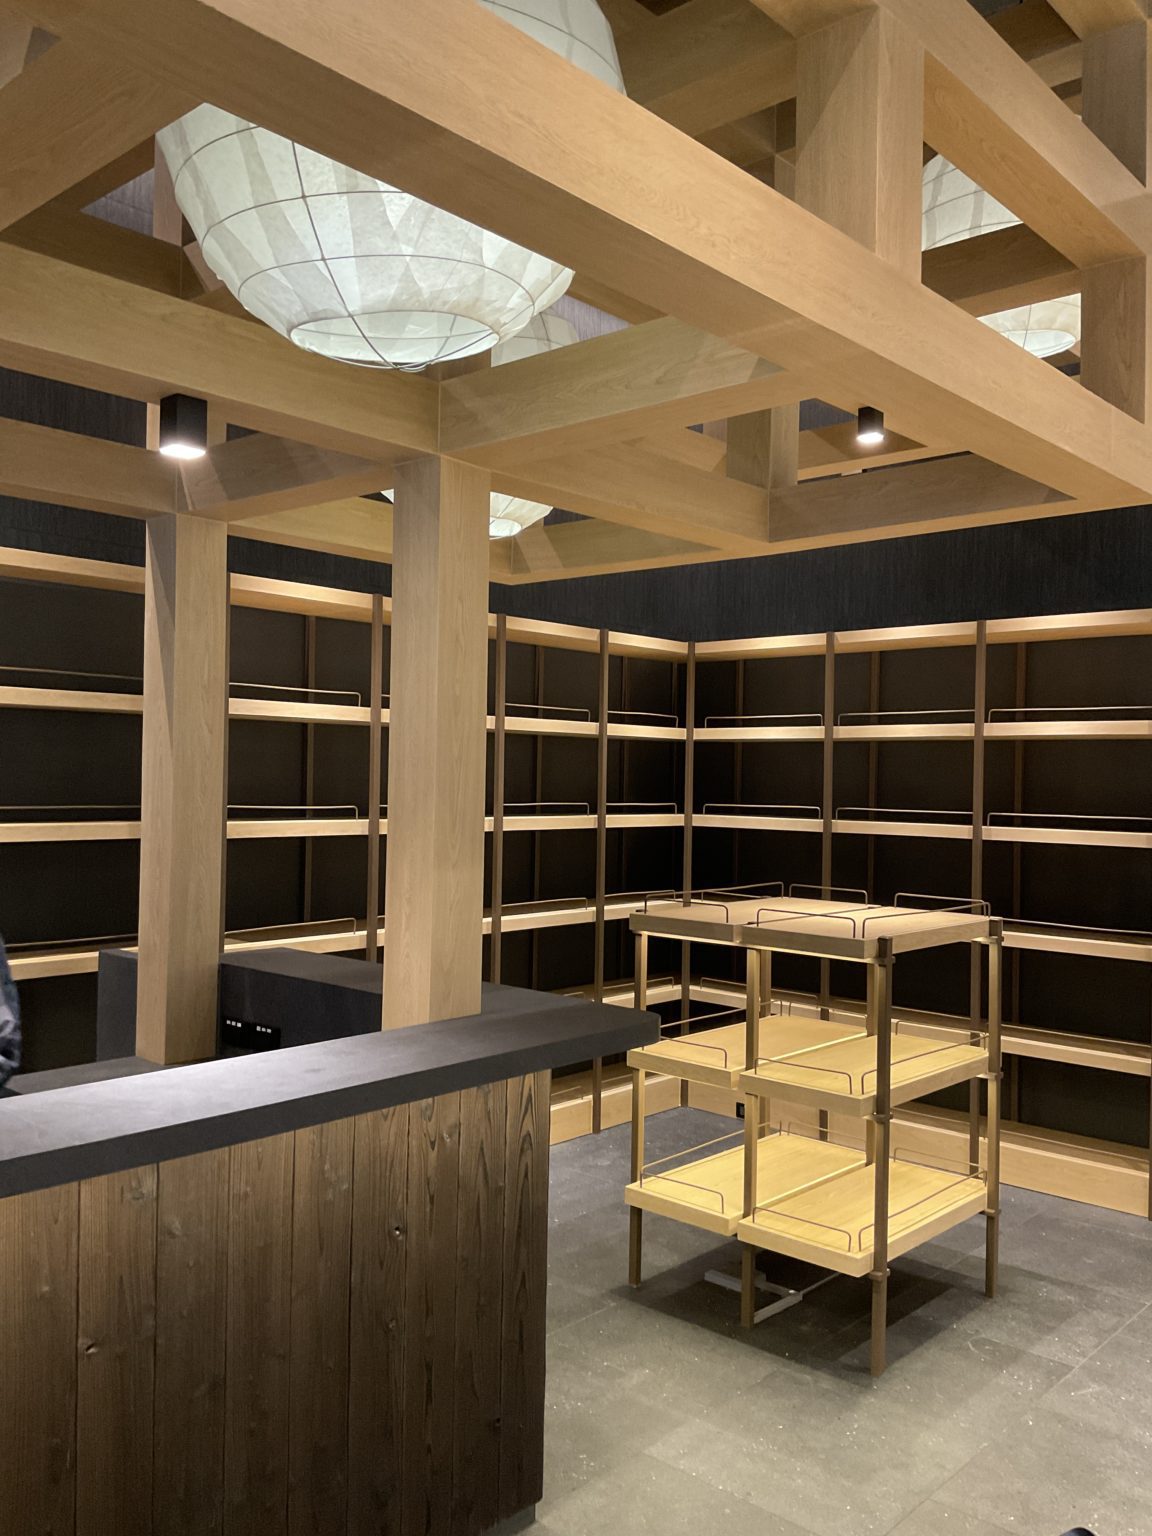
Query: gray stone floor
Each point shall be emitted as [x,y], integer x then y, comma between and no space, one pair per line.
[1028,1414]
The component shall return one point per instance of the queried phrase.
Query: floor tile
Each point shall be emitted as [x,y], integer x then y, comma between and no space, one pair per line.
[1049,1476]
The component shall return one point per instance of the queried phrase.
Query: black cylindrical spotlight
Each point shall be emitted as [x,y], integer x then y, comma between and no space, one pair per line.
[870,426]
[183,427]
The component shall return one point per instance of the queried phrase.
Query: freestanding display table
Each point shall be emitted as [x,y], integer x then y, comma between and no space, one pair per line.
[827,1186]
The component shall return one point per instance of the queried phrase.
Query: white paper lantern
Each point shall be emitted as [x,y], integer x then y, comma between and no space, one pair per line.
[351,267]
[955,208]
[510,515]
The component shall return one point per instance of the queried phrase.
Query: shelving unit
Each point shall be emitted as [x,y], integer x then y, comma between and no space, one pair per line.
[848,1208]
[749,756]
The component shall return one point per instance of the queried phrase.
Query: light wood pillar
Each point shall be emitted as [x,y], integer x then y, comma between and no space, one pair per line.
[183,808]
[860,131]
[1115,360]
[764,447]
[435,874]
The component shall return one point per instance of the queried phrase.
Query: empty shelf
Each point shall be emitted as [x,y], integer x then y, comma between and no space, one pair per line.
[1068,730]
[716,1056]
[842,1075]
[925,730]
[831,1224]
[753,733]
[709,1192]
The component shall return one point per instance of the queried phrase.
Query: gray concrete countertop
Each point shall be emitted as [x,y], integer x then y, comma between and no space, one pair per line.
[94,1128]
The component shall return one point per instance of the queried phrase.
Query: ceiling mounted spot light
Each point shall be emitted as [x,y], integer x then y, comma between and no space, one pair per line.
[510,515]
[183,427]
[352,267]
[955,208]
[870,426]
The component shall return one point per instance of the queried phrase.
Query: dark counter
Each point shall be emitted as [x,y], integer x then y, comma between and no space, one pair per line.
[96,1128]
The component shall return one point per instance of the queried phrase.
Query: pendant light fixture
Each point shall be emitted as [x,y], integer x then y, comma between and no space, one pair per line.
[351,267]
[510,515]
[183,430]
[870,426]
[955,208]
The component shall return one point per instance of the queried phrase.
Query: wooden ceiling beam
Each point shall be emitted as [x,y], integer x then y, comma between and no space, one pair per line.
[1088,17]
[987,111]
[355,527]
[84,327]
[911,498]
[561,551]
[625,484]
[68,470]
[621,385]
[422,96]
[67,115]
[84,240]
[259,475]
[708,63]
[134,162]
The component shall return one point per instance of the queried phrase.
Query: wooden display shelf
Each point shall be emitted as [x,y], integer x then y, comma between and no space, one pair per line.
[927,730]
[709,1192]
[831,1224]
[736,822]
[864,827]
[754,733]
[842,1074]
[843,930]
[1068,730]
[1069,837]
[1097,943]
[715,1057]
[91,701]
[239,829]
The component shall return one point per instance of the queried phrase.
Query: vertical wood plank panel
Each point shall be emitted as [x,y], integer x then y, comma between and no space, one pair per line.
[259,1320]
[318,1409]
[38,1258]
[116,1332]
[377,1325]
[525,1294]
[429,1367]
[479,1284]
[191,1322]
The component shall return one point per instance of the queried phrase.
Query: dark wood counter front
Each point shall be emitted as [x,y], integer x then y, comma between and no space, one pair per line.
[295,1292]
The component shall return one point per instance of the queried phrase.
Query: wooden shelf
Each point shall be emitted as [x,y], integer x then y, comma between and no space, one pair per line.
[938,730]
[727,821]
[830,1224]
[1068,837]
[1097,944]
[715,1057]
[239,829]
[709,1192]
[842,1074]
[754,733]
[839,930]
[77,700]
[1068,730]
[863,827]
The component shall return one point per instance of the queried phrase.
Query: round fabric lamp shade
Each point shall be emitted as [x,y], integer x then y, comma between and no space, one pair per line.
[955,208]
[510,515]
[351,267]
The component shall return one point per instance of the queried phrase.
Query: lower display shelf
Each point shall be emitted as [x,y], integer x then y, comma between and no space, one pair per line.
[842,1074]
[715,1057]
[709,1192]
[831,1223]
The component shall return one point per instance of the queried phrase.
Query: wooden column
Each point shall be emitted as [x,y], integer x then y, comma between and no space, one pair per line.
[860,131]
[435,874]
[1115,360]
[183,808]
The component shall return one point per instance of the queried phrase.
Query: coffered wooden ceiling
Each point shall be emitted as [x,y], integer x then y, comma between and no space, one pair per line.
[752,210]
